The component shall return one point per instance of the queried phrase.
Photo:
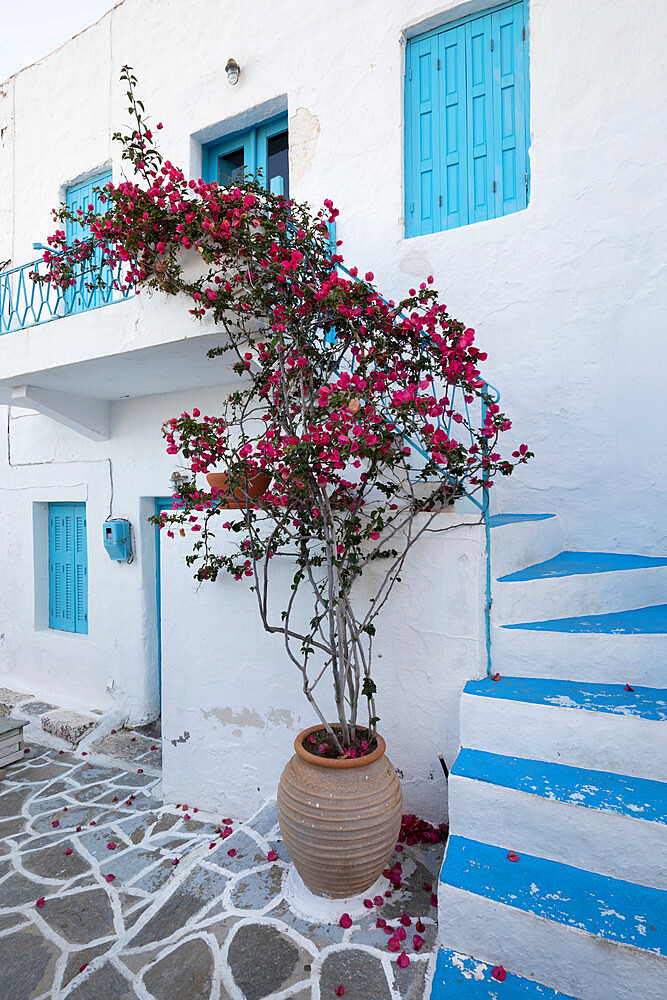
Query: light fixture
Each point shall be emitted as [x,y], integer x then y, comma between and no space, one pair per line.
[177,480]
[233,71]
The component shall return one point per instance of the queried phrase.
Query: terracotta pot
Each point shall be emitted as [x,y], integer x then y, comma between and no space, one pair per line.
[258,485]
[339,818]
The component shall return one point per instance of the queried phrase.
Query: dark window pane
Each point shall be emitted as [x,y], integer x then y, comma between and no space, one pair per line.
[278,162]
[230,167]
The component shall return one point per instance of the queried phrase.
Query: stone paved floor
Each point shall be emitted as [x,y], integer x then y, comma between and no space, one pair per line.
[192,912]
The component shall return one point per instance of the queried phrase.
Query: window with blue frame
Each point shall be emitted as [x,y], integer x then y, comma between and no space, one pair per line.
[467,121]
[68,567]
[82,196]
[264,148]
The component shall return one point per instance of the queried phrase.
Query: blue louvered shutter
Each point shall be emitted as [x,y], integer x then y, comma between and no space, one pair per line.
[453,128]
[480,119]
[81,196]
[80,569]
[422,137]
[509,112]
[61,567]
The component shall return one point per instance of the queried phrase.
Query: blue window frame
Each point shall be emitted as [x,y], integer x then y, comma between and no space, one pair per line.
[81,195]
[264,148]
[68,567]
[467,121]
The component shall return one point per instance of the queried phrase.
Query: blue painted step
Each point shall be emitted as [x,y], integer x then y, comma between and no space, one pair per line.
[643,702]
[458,977]
[498,520]
[639,621]
[620,912]
[577,563]
[640,798]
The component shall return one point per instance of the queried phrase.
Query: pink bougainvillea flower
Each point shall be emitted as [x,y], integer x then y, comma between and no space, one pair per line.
[393,943]
[368,903]
[495,677]
[428,887]
[232,852]
[322,748]
[340,990]
[399,847]
[84,966]
[405,920]
[388,894]
[93,822]
[61,751]
[84,753]
[27,750]
[417,942]
[56,822]
[389,930]
[133,739]
[187,816]
[175,861]
[109,877]
[403,960]
[64,809]
[211,846]
[420,926]
[401,933]
[378,900]
[113,732]
[311,739]
[498,973]
[434,899]
[68,850]
[380,922]
[78,829]
[155,748]
[111,846]
[227,821]
[40,903]
[628,688]
[195,810]
[140,770]
[345,921]
[272,856]
[512,856]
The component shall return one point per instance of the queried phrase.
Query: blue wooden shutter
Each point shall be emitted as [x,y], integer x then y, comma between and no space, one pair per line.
[422,137]
[68,568]
[80,569]
[61,568]
[480,119]
[81,196]
[453,153]
[509,109]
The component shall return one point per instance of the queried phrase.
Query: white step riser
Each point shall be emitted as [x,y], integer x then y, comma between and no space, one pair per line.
[567,959]
[580,594]
[600,741]
[600,658]
[524,543]
[620,846]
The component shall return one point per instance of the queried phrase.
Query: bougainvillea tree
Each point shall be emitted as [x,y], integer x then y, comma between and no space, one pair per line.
[356,410]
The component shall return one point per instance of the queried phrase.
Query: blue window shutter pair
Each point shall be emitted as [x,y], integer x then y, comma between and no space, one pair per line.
[68,568]
[466,122]
[81,195]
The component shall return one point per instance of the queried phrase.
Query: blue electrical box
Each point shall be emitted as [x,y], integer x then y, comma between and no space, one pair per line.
[117,542]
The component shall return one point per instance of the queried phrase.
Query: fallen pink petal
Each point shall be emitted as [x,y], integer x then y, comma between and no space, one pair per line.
[378,900]
[498,973]
[69,850]
[272,856]
[340,990]
[345,921]
[40,903]
[111,846]
[405,920]
[109,877]
[417,942]
[232,852]
[368,903]
[403,960]
[393,944]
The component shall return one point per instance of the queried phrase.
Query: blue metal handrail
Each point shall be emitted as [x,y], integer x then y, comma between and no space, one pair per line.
[25,303]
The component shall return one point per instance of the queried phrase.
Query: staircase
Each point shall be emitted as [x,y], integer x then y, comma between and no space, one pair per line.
[556,866]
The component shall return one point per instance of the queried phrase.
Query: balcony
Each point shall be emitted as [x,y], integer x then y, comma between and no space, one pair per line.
[67,355]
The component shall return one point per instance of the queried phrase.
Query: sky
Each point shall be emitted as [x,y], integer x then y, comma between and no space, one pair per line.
[30,29]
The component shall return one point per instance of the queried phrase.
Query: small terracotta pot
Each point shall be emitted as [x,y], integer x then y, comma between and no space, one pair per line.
[339,818]
[258,485]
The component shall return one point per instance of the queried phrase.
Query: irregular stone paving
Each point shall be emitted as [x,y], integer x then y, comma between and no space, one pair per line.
[214,926]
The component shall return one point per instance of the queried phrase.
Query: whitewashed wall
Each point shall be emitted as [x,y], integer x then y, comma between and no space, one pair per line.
[569,297]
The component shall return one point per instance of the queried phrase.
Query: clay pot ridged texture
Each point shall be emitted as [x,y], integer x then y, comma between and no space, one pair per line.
[339,819]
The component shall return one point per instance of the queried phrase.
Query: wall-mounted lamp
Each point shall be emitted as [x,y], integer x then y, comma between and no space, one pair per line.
[177,480]
[233,71]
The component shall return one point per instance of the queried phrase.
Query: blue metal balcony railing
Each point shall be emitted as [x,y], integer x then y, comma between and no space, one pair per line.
[25,303]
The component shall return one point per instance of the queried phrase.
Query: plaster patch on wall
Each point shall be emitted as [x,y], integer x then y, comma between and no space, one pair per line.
[248,717]
[304,133]
[181,739]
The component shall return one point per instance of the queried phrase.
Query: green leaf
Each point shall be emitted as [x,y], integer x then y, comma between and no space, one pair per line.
[368,687]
